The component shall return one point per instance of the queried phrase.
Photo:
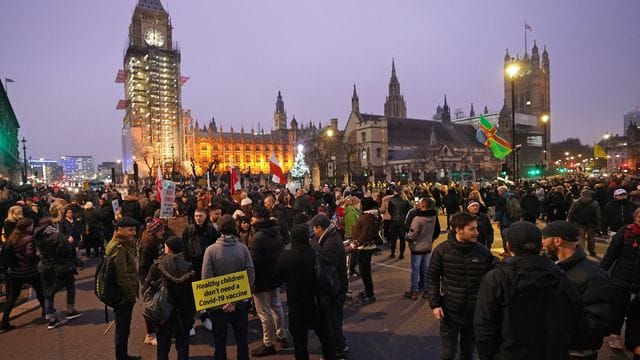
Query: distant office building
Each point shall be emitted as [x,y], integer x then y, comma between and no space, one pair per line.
[77,167]
[632,117]
[9,157]
[104,170]
[47,171]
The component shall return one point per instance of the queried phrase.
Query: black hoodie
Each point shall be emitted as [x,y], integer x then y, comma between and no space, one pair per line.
[265,251]
[526,309]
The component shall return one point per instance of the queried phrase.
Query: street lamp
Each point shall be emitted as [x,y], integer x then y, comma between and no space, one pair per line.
[24,158]
[545,121]
[173,162]
[512,70]
[332,165]
[606,137]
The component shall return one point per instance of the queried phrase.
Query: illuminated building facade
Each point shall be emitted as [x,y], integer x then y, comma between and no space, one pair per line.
[9,152]
[152,125]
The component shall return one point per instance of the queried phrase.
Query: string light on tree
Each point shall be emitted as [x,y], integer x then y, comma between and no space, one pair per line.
[299,166]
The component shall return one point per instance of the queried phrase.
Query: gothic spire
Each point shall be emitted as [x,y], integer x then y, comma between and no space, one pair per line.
[472,112]
[154,5]
[280,115]
[355,101]
[446,111]
[395,105]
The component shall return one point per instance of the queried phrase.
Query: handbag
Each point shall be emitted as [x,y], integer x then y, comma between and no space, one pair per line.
[155,305]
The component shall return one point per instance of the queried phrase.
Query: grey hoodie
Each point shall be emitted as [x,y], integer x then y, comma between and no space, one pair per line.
[227,255]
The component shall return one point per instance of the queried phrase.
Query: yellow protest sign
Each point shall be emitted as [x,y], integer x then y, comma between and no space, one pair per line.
[221,290]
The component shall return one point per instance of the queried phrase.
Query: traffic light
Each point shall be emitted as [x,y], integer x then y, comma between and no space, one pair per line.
[504,170]
[534,171]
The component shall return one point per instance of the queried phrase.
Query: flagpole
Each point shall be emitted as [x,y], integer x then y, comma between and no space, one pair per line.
[525,36]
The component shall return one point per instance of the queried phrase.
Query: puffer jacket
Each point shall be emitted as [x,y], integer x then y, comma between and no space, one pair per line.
[178,275]
[624,255]
[121,249]
[455,271]
[594,287]
[526,310]
[617,213]
[26,259]
[266,249]
[57,262]
[424,229]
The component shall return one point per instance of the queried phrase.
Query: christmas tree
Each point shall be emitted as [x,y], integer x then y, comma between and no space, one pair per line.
[299,167]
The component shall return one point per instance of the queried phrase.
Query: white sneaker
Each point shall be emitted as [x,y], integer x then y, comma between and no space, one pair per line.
[615,342]
[192,332]
[207,324]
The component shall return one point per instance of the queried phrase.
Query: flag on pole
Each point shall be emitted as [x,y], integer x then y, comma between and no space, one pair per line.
[276,170]
[527,26]
[489,136]
[7,80]
[120,76]
[122,104]
[208,181]
[235,180]
[159,179]
[183,79]
[599,152]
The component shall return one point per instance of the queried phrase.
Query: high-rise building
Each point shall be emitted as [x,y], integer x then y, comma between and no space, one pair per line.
[77,167]
[152,126]
[45,170]
[9,156]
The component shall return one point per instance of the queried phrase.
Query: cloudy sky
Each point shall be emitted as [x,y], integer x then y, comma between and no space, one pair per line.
[63,56]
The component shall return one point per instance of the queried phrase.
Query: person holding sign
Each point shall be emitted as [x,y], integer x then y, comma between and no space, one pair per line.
[226,256]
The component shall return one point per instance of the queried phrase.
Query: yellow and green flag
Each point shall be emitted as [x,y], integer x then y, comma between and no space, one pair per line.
[489,136]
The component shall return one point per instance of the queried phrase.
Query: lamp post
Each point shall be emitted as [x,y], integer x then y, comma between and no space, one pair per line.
[24,158]
[606,137]
[331,169]
[173,162]
[545,121]
[512,70]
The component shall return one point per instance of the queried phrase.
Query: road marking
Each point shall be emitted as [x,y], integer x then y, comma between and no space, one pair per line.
[392,266]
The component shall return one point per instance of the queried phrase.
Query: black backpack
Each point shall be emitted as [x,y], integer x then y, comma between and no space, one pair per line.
[585,214]
[106,282]
[328,280]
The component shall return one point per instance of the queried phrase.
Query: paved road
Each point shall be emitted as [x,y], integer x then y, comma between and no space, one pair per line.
[391,328]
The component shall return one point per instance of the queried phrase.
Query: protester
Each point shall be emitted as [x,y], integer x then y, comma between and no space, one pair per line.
[177,275]
[23,270]
[398,209]
[424,229]
[13,216]
[296,268]
[585,214]
[560,239]
[485,228]
[363,241]
[228,255]
[349,220]
[526,308]
[149,249]
[266,249]
[622,259]
[457,266]
[121,249]
[618,212]
[92,236]
[330,243]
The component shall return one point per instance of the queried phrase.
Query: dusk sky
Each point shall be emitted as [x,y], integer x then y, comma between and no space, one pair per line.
[64,55]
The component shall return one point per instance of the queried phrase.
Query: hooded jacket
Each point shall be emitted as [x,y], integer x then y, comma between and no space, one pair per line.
[424,228]
[526,309]
[584,200]
[624,255]
[196,238]
[594,287]
[330,243]
[121,249]
[227,255]
[617,213]
[56,258]
[266,249]
[178,275]
[350,219]
[364,230]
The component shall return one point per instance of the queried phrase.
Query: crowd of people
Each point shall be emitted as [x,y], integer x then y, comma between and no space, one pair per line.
[546,295]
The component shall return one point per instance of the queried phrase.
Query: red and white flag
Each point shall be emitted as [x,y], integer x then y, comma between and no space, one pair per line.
[120,76]
[278,176]
[159,180]
[122,104]
[184,79]
[235,180]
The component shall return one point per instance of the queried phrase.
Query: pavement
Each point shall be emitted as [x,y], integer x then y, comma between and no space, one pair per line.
[393,327]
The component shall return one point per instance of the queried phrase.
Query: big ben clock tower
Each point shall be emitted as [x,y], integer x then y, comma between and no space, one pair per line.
[152,127]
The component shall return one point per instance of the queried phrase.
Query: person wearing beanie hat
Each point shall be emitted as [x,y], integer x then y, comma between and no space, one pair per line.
[485,228]
[177,275]
[296,268]
[585,214]
[526,308]
[560,240]
[149,249]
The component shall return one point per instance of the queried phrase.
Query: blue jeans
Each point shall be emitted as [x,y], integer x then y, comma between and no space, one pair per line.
[69,283]
[419,268]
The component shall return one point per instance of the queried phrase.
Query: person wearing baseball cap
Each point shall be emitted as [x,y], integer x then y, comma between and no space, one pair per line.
[560,240]
[618,212]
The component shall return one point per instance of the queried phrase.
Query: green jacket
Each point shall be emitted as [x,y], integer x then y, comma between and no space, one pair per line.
[126,270]
[350,219]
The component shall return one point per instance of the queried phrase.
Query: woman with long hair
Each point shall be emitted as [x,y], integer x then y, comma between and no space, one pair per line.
[23,270]
[14,215]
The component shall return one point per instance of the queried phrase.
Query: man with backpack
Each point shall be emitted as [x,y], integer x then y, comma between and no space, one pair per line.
[508,211]
[330,243]
[527,309]
[398,209]
[121,249]
[585,214]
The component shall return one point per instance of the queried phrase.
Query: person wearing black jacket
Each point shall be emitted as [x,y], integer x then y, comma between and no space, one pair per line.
[527,309]
[485,228]
[455,271]
[330,243]
[178,275]
[279,213]
[106,217]
[560,239]
[265,251]
[618,212]
[130,207]
[296,268]
[623,254]
[530,206]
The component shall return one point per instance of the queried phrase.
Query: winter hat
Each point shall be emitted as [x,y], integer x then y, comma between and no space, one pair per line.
[154,225]
[175,244]
[470,204]
[620,192]
[300,234]
[562,229]
[245,201]
[321,220]
[127,221]
[524,236]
